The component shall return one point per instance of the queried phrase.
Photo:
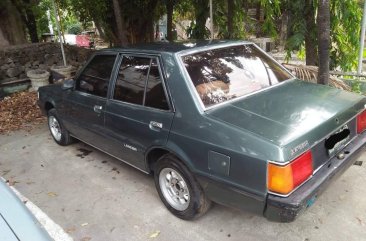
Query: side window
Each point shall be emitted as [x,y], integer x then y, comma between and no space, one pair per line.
[155,95]
[95,77]
[132,76]
[139,82]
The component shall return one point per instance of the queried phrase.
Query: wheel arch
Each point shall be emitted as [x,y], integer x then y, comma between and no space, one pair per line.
[48,105]
[154,153]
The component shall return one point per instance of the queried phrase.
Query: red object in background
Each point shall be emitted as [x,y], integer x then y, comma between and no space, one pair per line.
[83,40]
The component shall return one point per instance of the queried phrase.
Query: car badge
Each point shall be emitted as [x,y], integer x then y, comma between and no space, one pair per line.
[298,148]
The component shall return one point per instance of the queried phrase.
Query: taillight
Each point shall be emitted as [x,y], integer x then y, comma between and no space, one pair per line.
[284,179]
[361,122]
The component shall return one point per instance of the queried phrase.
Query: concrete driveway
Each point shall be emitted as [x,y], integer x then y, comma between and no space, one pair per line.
[95,197]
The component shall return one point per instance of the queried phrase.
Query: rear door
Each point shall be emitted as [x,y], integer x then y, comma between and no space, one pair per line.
[84,107]
[138,114]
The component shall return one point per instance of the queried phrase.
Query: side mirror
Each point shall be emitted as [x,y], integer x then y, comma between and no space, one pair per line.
[68,84]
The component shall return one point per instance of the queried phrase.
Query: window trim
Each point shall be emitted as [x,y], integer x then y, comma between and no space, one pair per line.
[157,57]
[85,66]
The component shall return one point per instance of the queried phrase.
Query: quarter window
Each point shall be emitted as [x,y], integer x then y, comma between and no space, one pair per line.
[95,77]
[155,95]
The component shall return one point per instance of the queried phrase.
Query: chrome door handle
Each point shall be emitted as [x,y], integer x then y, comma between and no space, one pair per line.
[155,125]
[98,108]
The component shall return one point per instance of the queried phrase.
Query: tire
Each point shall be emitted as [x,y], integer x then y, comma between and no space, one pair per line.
[57,129]
[179,190]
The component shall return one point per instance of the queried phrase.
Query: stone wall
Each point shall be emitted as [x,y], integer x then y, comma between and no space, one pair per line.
[15,61]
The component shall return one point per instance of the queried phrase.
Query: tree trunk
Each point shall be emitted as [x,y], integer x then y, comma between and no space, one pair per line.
[258,11]
[201,12]
[258,17]
[31,25]
[284,30]
[310,34]
[24,8]
[121,37]
[11,26]
[230,16]
[150,20]
[169,24]
[62,29]
[323,40]
[100,30]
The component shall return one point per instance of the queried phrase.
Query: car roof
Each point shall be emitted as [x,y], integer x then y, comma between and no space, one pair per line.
[176,47]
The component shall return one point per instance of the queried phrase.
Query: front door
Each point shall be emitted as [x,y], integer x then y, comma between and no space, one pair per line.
[84,107]
[138,114]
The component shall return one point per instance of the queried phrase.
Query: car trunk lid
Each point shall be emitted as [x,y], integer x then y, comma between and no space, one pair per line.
[294,115]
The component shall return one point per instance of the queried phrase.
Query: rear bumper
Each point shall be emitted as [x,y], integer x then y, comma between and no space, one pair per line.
[286,209]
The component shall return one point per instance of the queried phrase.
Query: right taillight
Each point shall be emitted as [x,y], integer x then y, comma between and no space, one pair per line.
[361,122]
[284,179]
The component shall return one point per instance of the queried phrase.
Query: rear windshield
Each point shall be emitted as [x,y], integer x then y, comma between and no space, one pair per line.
[227,73]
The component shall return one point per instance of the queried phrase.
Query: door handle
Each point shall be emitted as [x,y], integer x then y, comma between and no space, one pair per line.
[155,126]
[98,108]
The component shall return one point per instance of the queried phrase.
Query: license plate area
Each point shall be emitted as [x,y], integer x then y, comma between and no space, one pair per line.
[337,141]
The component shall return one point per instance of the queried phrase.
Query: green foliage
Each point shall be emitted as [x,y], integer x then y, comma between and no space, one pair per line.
[272,9]
[345,26]
[220,10]
[42,20]
[297,27]
[197,32]
[356,87]
[197,29]
[75,29]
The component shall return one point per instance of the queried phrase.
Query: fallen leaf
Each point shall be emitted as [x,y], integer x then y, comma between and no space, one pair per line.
[155,234]
[85,238]
[11,182]
[359,220]
[84,224]
[70,230]
[52,194]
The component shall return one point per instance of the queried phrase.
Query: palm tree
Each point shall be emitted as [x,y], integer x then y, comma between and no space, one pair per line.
[323,41]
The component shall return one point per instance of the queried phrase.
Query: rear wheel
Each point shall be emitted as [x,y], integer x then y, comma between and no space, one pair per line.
[58,131]
[178,189]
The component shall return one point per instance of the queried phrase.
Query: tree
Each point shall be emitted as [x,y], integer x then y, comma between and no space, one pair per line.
[230,14]
[169,4]
[311,51]
[120,28]
[201,11]
[25,9]
[11,26]
[323,40]
[345,18]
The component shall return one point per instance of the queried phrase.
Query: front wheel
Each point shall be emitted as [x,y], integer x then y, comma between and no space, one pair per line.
[58,131]
[179,190]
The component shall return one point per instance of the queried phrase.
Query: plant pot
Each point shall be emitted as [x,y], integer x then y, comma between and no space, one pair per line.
[38,78]
[61,72]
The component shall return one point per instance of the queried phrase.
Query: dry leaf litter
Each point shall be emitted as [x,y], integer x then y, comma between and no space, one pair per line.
[19,111]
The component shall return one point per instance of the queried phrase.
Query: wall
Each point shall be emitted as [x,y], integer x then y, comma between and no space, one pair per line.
[15,61]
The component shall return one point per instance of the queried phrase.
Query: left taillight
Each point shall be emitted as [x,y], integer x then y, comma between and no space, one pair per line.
[284,179]
[361,122]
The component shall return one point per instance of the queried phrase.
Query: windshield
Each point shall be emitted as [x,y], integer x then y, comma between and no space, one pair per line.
[227,73]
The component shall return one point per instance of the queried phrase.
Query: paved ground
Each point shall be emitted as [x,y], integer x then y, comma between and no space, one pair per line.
[95,197]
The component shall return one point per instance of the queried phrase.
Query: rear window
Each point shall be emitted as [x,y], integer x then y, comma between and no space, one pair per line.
[227,73]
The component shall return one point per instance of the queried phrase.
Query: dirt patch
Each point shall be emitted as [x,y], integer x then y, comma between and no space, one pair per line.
[19,111]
